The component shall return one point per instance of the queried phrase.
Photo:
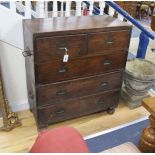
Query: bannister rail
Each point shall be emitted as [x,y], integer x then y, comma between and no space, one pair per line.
[130,18]
[124,14]
[144,36]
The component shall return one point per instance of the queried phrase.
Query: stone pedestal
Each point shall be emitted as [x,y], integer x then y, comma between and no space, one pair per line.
[139,78]
[132,101]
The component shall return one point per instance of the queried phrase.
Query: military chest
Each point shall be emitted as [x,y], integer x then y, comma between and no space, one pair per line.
[88,80]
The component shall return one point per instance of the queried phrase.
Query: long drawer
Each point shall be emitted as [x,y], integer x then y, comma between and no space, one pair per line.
[78,107]
[59,92]
[54,48]
[57,71]
[104,42]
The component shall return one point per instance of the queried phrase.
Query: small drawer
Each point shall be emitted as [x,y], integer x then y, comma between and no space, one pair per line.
[104,42]
[57,92]
[57,71]
[54,48]
[78,107]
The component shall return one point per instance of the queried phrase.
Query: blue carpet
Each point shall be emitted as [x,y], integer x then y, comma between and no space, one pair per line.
[130,133]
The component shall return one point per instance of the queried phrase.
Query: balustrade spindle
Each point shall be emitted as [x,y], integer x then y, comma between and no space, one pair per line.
[120,17]
[111,11]
[78,8]
[84,9]
[62,10]
[27,9]
[46,9]
[13,6]
[68,8]
[91,8]
[84,5]
[40,9]
[55,9]
[102,6]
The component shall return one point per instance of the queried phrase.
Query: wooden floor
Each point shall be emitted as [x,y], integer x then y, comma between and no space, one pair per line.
[22,138]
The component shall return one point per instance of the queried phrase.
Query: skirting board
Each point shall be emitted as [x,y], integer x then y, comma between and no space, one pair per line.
[19,107]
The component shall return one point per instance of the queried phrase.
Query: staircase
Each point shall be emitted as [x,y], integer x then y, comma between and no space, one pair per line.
[11,36]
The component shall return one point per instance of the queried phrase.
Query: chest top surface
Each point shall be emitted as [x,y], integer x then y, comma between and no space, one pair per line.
[74,24]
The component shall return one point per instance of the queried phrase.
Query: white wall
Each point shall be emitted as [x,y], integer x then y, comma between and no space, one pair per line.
[11,30]
[14,76]
[12,62]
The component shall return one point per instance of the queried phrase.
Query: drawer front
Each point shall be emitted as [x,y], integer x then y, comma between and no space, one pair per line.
[99,43]
[54,48]
[78,107]
[58,71]
[57,92]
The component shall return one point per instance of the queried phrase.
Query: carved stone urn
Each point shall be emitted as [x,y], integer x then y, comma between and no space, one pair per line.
[139,77]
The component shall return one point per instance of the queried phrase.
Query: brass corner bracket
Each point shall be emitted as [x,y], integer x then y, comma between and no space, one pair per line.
[10,119]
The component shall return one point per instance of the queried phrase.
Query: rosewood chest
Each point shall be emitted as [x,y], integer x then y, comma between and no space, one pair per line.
[91,78]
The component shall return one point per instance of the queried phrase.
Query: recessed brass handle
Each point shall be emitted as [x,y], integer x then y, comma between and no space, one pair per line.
[64,49]
[61,111]
[104,84]
[100,102]
[107,62]
[109,42]
[63,70]
[61,93]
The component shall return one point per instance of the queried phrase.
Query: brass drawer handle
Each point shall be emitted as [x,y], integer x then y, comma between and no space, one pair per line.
[104,84]
[107,62]
[109,42]
[100,102]
[61,93]
[63,70]
[64,49]
[61,111]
